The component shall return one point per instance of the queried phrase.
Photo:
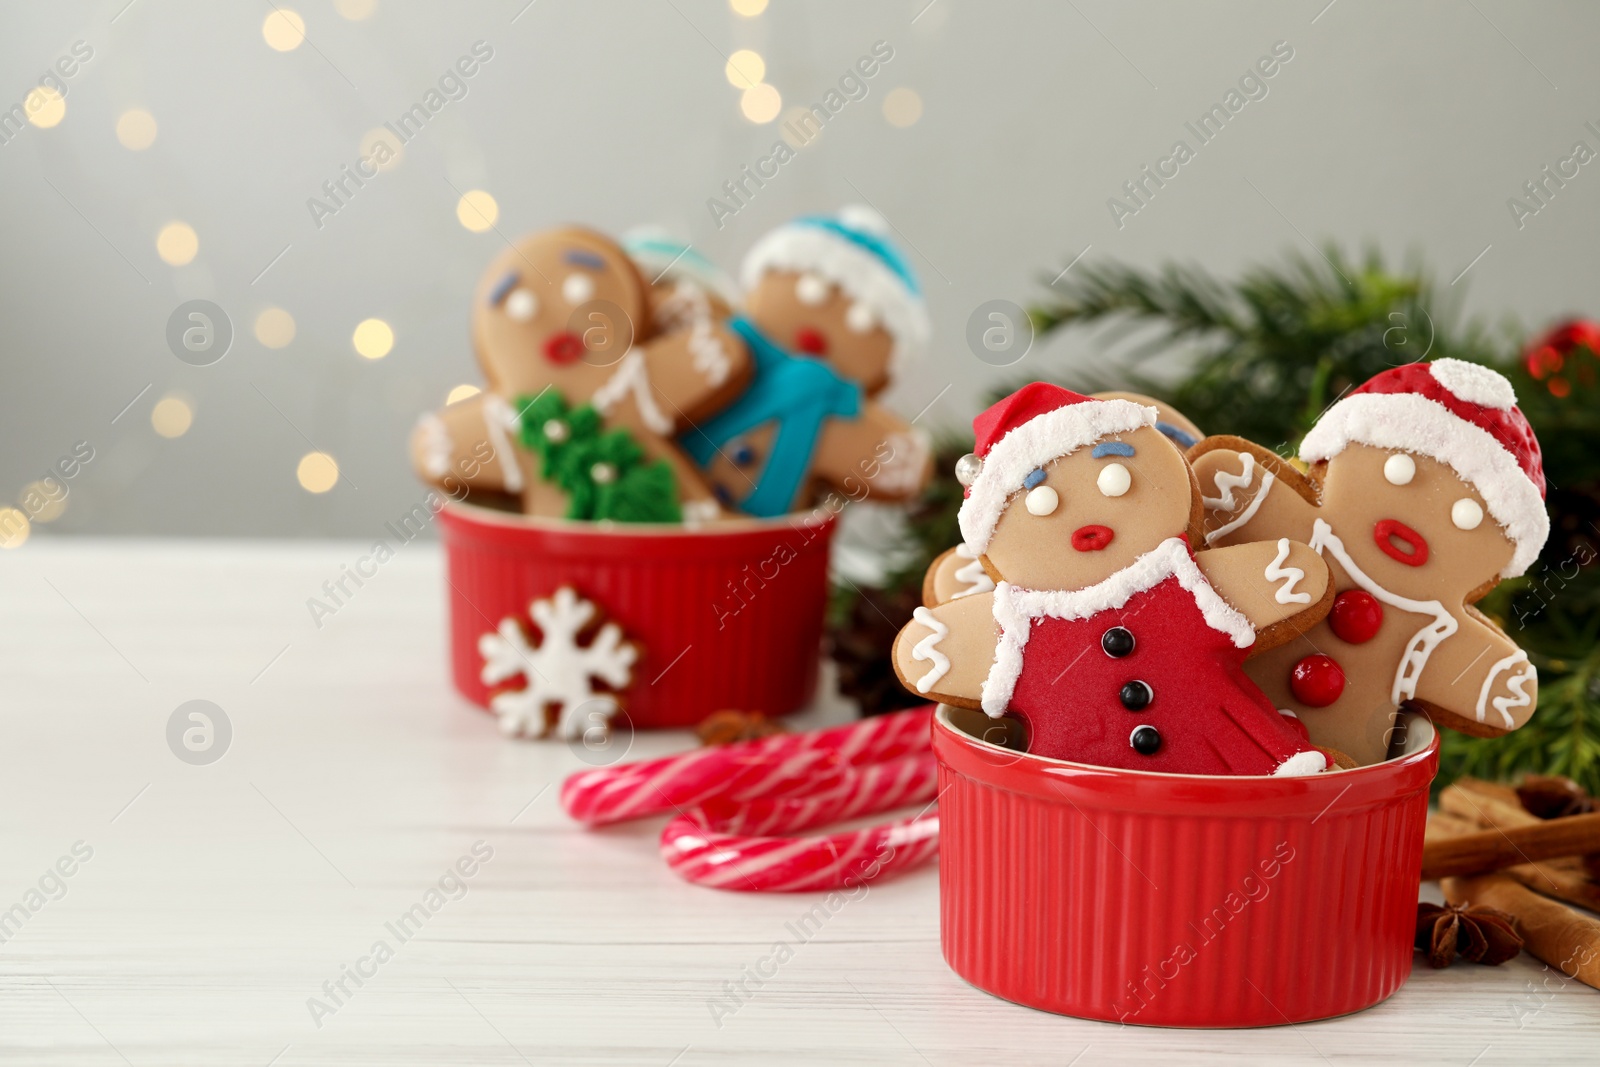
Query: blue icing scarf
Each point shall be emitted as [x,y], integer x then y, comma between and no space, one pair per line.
[796,393]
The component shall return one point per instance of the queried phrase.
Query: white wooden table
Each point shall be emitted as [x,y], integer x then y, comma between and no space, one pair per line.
[218,899]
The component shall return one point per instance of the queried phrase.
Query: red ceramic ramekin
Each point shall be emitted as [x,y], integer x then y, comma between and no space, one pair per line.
[726,616]
[1177,900]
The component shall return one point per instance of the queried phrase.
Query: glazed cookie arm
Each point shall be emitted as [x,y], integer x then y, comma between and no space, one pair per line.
[877,455]
[457,446]
[694,371]
[1244,487]
[944,653]
[954,573]
[1283,587]
[1479,682]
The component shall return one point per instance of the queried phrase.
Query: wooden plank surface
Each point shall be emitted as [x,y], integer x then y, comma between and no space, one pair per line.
[218,899]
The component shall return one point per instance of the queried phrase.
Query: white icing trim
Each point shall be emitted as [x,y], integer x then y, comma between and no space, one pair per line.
[802,248]
[1474,383]
[972,574]
[1413,423]
[1016,608]
[434,437]
[1228,483]
[1056,433]
[1291,577]
[697,513]
[1422,643]
[1301,764]
[632,379]
[928,649]
[498,418]
[1515,684]
[901,472]
[687,307]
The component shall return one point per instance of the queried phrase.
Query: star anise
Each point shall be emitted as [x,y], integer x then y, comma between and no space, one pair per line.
[1551,796]
[726,727]
[1481,935]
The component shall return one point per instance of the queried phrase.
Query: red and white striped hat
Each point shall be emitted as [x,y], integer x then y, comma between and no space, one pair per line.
[1460,414]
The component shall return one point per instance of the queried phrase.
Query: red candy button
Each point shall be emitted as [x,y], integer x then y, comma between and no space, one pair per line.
[1317,681]
[1356,616]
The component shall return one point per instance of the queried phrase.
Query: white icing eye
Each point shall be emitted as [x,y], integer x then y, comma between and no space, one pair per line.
[522,305]
[1466,513]
[1042,500]
[860,318]
[810,290]
[1399,469]
[577,288]
[1114,479]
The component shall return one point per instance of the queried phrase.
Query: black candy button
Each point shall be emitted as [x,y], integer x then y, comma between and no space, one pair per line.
[1117,642]
[1136,695]
[1146,740]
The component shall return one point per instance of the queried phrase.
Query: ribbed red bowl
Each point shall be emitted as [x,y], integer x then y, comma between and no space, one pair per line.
[1177,900]
[728,616]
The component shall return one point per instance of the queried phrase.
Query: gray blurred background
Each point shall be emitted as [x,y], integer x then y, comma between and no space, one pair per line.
[991,142]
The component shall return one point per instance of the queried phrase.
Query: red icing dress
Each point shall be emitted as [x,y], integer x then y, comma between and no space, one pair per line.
[1142,671]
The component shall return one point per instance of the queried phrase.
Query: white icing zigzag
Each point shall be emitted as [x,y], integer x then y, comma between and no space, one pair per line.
[632,378]
[1290,576]
[972,574]
[1515,684]
[1226,502]
[928,649]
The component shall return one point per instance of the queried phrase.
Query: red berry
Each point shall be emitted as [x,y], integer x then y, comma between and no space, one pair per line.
[1356,616]
[1317,681]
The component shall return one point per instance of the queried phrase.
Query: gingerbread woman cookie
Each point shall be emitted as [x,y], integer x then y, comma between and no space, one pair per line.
[584,394]
[1107,635]
[831,309]
[958,571]
[1425,489]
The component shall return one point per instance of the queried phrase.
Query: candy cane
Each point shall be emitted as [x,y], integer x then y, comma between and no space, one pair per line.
[728,845]
[744,771]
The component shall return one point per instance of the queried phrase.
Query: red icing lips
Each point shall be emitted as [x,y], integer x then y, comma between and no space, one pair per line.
[564,348]
[1395,538]
[812,342]
[1092,538]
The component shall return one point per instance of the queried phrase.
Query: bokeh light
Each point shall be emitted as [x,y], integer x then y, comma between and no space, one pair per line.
[748,8]
[45,501]
[177,243]
[317,472]
[136,129]
[283,30]
[902,107]
[745,69]
[45,107]
[461,392]
[14,528]
[171,417]
[355,10]
[761,103]
[275,327]
[373,338]
[477,211]
[384,161]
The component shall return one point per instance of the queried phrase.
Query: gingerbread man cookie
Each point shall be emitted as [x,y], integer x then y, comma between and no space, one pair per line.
[831,309]
[1107,635]
[958,571]
[584,394]
[1425,489]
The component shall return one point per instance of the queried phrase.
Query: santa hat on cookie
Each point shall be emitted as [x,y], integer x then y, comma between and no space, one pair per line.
[1026,430]
[1462,415]
[852,251]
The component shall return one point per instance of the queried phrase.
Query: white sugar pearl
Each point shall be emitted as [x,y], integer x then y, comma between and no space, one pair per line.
[1466,513]
[522,305]
[577,288]
[603,473]
[1042,500]
[860,318]
[968,467]
[1399,469]
[1114,479]
[810,290]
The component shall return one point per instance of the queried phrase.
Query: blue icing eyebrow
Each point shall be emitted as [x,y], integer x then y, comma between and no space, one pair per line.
[1178,436]
[1034,477]
[584,259]
[502,287]
[1111,448]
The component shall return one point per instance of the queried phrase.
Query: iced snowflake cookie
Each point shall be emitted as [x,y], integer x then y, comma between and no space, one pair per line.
[1425,489]
[1110,638]
[561,324]
[831,309]
[959,572]
[571,672]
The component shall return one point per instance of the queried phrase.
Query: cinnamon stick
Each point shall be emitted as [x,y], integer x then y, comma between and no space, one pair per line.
[1565,939]
[1493,849]
[1567,878]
